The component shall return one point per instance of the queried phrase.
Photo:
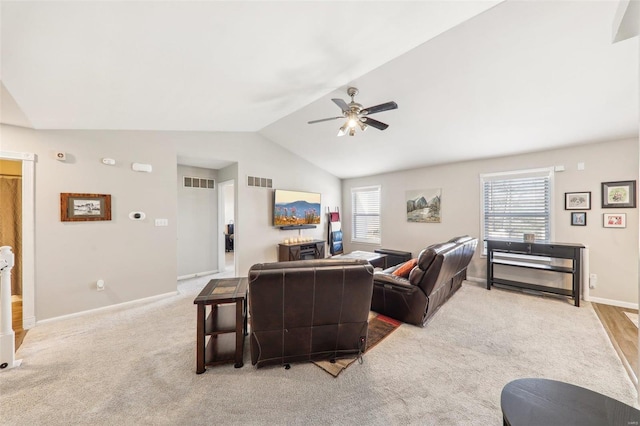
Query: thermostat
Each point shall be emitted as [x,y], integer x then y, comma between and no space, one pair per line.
[137,216]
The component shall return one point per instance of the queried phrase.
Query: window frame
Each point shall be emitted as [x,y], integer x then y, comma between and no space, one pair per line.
[513,174]
[354,215]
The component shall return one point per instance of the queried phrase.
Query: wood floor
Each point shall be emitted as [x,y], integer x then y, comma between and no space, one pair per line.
[623,334]
[16,313]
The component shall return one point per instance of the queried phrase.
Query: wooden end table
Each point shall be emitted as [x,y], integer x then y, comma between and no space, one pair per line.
[222,318]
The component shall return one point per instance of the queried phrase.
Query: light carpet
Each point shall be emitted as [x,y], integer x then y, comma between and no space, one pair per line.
[136,366]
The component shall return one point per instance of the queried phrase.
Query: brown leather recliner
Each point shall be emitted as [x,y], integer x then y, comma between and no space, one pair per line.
[439,273]
[308,310]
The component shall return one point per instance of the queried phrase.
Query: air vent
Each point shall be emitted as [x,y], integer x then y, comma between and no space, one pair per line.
[196,182]
[259,182]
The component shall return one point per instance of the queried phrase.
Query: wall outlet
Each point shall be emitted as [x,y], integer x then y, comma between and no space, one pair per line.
[100,285]
[593,280]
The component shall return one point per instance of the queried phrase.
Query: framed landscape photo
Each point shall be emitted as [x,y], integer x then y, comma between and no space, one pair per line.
[578,218]
[620,194]
[84,207]
[614,220]
[577,200]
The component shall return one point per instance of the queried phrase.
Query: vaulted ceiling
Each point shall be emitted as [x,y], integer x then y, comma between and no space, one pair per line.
[472,79]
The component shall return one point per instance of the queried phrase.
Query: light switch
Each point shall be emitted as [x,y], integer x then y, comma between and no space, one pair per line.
[162,222]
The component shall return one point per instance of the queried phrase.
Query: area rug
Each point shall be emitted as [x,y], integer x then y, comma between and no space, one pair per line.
[380,326]
[633,317]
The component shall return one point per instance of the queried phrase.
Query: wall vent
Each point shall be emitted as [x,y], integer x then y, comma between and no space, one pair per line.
[260,182]
[196,182]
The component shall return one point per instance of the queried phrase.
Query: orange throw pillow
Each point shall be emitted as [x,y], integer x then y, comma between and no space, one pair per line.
[405,268]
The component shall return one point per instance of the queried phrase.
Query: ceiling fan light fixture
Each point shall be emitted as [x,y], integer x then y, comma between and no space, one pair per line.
[356,115]
[343,129]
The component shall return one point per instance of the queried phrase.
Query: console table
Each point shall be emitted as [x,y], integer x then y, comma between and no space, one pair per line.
[530,251]
[224,322]
[313,249]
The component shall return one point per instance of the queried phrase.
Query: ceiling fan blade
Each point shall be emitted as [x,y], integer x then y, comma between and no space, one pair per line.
[374,123]
[341,104]
[379,108]
[323,119]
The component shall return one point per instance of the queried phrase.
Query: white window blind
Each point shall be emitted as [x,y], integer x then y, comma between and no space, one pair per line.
[517,203]
[365,208]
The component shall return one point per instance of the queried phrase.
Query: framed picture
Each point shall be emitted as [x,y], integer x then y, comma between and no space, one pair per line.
[84,207]
[577,200]
[614,220]
[423,205]
[578,218]
[619,194]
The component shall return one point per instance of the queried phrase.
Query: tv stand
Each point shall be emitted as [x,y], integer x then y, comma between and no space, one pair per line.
[301,251]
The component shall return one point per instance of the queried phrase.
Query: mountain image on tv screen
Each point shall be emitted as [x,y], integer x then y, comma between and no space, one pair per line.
[296,208]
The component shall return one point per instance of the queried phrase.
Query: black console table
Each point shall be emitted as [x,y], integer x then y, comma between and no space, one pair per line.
[552,250]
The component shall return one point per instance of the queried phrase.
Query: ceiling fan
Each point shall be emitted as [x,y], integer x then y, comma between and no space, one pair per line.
[356,115]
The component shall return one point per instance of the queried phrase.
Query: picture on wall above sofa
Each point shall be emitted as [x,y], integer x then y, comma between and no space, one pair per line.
[294,208]
[423,205]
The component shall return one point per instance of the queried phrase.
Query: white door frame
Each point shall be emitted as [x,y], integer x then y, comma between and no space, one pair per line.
[221,225]
[28,234]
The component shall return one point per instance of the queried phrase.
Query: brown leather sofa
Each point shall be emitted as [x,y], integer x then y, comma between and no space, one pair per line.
[439,273]
[308,310]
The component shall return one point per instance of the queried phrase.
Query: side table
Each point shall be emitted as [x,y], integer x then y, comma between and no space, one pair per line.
[222,323]
[377,260]
[533,402]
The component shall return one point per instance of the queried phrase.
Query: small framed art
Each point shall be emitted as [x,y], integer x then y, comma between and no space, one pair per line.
[619,194]
[578,218]
[577,200]
[84,207]
[614,220]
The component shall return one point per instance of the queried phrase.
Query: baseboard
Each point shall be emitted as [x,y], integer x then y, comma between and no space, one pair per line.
[106,308]
[196,275]
[28,323]
[477,280]
[611,302]
[585,295]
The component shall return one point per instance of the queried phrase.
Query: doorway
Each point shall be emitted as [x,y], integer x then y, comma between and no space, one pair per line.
[24,249]
[227,222]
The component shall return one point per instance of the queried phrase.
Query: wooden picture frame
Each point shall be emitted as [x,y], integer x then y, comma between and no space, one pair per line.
[614,220]
[577,200]
[621,194]
[578,218]
[84,207]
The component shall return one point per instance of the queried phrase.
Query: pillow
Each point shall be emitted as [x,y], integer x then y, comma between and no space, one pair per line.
[404,269]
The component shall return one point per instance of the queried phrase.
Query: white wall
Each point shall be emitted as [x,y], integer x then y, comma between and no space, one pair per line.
[197,223]
[613,252]
[135,258]
[255,238]
[138,259]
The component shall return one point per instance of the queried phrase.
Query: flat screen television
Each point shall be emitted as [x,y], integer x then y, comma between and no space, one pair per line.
[295,208]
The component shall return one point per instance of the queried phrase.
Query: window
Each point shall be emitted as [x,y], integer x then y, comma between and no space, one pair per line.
[365,208]
[517,203]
